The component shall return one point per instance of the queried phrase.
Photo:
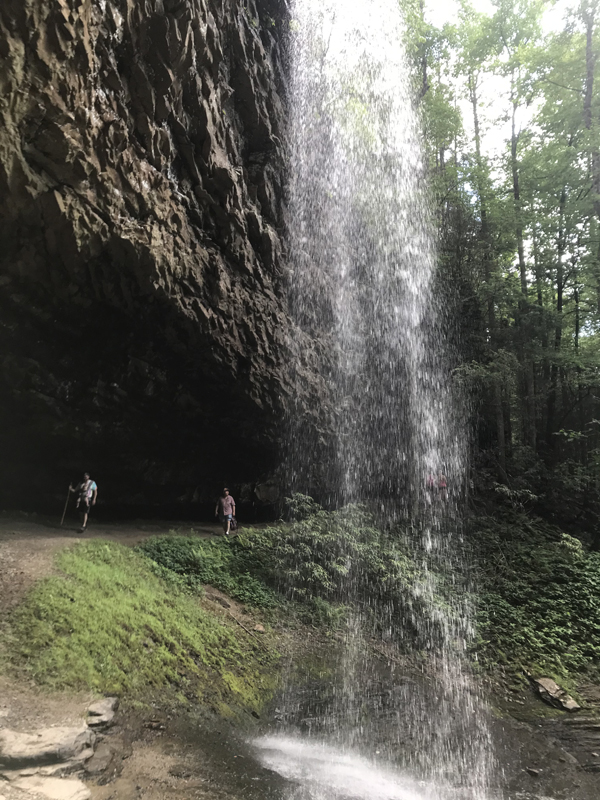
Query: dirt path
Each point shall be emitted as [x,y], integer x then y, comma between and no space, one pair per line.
[28,544]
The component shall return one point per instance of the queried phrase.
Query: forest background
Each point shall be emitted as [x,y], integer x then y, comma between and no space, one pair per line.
[519,222]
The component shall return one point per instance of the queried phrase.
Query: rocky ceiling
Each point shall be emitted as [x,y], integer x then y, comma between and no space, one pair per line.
[142,327]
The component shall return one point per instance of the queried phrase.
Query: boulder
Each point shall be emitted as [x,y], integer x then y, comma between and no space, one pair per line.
[47,746]
[101,760]
[552,693]
[104,706]
[102,712]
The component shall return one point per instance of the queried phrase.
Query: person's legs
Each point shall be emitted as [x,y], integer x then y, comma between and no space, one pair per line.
[226,523]
[84,511]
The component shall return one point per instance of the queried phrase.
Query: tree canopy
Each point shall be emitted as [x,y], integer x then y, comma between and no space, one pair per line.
[511,115]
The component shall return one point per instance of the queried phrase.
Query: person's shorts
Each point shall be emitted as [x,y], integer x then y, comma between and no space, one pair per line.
[84,507]
[225,517]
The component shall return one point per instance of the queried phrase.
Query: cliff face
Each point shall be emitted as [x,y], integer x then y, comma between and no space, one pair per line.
[141,167]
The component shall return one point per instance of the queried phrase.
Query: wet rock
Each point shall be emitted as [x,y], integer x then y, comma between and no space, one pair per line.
[568,758]
[551,693]
[48,746]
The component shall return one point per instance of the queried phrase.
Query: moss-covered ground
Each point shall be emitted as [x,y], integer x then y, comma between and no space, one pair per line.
[109,623]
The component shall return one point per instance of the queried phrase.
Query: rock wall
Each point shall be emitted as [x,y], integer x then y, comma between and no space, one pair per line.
[142,330]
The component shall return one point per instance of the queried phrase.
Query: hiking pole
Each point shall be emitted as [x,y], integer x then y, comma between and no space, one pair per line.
[66,504]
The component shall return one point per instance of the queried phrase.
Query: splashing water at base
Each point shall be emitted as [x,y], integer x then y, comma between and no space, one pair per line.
[322,772]
[384,429]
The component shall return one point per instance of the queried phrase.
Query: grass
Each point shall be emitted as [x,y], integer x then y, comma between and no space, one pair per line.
[110,624]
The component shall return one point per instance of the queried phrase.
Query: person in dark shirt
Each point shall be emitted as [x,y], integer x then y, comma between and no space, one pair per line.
[226,509]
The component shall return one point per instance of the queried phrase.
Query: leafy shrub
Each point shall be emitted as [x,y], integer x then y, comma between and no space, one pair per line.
[540,604]
[320,559]
[327,615]
[329,555]
[219,563]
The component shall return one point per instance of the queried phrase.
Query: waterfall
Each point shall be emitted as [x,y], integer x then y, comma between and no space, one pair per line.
[389,433]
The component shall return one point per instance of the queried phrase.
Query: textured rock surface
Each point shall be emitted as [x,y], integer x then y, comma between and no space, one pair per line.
[552,693]
[53,788]
[141,170]
[102,713]
[47,746]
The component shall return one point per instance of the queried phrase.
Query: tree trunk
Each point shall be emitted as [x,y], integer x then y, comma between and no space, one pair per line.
[554,372]
[487,269]
[544,377]
[529,417]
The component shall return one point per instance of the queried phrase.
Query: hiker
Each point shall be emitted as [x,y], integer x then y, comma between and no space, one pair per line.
[226,506]
[87,495]
[430,487]
[443,487]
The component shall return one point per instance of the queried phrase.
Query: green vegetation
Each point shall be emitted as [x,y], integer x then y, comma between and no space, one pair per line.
[321,554]
[540,603]
[516,187]
[312,561]
[110,624]
[191,562]
[118,620]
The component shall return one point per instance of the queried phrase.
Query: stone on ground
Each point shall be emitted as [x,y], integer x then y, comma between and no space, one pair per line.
[102,712]
[101,760]
[47,746]
[54,788]
[551,692]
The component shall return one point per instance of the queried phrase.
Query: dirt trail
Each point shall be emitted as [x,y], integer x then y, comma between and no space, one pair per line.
[28,544]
